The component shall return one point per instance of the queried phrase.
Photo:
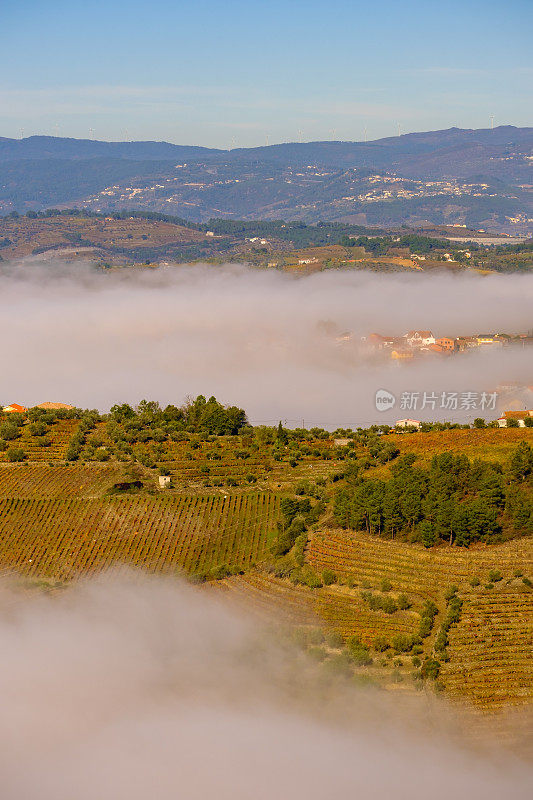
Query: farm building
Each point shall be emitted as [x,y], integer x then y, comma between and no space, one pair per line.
[446,343]
[488,339]
[408,423]
[519,416]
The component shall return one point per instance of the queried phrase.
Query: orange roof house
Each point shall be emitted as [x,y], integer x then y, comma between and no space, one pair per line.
[519,416]
[14,408]
[445,342]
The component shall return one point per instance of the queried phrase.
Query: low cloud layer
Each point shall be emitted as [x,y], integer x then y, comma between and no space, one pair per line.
[127,687]
[264,340]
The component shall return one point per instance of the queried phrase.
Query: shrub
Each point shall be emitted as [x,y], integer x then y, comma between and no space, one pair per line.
[388,605]
[450,592]
[427,618]
[401,643]
[334,640]
[380,644]
[328,577]
[527,582]
[339,664]
[430,669]
[38,428]
[386,585]
[16,454]
[441,641]
[475,581]
[495,575]
[8,431]
[359,652]
[313,582]
[403,602]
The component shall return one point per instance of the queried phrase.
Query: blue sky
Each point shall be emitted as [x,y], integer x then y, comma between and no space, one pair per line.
[228,72]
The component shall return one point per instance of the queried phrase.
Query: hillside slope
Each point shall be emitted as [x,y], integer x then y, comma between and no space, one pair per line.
[386,609]
[473,177]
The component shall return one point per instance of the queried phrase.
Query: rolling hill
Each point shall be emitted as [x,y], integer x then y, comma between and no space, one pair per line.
[387,610]
[472,177]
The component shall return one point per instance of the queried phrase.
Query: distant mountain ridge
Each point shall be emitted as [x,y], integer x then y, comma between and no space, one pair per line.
[46,147]
[453,176]
[379,152]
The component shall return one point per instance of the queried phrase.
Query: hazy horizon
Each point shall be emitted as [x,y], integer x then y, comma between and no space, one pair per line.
[263,340]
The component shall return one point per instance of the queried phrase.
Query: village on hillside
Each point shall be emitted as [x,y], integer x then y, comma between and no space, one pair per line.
[422,342]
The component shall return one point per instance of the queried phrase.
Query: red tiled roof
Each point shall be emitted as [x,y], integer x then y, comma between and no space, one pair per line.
[15,408]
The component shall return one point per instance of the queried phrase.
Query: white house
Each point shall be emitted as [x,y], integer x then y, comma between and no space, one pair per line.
[520,417]
[419,338]
[408,423]
[164,481]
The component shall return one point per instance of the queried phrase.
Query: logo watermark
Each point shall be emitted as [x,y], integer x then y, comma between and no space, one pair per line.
[449,401]
[384,400]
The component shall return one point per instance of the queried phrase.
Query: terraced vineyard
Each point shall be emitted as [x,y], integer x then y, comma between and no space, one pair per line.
[494,444]
[412,568]
[271,598]
[491,648]
[58,437]
[68,480]
[62,538]
[337,607]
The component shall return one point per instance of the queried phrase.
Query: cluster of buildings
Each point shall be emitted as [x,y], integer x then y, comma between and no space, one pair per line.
[503,421]
[422,342]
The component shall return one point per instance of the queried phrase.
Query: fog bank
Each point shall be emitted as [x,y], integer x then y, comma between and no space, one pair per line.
[129,687]
[267,341]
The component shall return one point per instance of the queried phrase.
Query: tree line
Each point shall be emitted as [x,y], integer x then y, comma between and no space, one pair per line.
[455,499]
